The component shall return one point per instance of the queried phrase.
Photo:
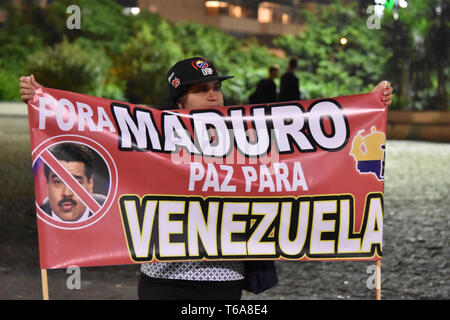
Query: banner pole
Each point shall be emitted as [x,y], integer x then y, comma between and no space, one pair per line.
[378,280]
[44,284]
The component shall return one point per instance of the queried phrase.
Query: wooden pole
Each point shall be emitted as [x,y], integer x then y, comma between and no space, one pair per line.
[378,280]
[44,284]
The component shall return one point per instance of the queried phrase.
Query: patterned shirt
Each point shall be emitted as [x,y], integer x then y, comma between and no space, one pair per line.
[195,270]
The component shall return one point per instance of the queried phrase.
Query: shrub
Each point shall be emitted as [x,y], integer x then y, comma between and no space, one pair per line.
[9,86]
[67,66]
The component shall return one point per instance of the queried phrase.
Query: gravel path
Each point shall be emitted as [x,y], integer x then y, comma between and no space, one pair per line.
[415,261]
[416,254]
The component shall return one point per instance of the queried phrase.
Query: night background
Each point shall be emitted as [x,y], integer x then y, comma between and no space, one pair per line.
[122,50]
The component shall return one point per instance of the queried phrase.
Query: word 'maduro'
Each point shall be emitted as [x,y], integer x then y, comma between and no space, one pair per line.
[214,134]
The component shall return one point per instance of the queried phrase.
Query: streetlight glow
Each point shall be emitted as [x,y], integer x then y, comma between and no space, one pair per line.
[216,4]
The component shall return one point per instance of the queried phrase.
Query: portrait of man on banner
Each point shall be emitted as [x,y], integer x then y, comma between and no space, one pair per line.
[62,202]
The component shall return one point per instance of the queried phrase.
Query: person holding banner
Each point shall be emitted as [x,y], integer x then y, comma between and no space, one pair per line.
[193,84]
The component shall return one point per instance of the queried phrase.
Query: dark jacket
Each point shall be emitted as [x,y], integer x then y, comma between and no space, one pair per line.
[289,87]
[259,276]
[266,92]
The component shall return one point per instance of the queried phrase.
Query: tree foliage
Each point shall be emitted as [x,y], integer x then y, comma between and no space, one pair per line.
[144,61]
[126,57]
[327,67]
[246,60]
[72,68]
[419,64]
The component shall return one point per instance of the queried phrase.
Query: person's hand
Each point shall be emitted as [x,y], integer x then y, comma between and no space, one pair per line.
[386,89]
[27,87]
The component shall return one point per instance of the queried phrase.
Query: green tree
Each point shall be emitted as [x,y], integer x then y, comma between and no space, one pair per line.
[246,60]
[145,59]
[437,50]
[326,66]
[103,26]
[158,44]
[9,86]
[71,67]
[17,41]
[249,64]
[402,57]
[29,28]
[418,39]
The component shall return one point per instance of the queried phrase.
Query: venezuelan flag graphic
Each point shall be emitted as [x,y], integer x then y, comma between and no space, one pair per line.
[369,152]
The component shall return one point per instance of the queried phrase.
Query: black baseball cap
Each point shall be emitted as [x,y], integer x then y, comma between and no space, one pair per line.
[187,72]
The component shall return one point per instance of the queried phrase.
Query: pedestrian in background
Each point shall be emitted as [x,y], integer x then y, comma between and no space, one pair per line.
[289,83]
[266,89]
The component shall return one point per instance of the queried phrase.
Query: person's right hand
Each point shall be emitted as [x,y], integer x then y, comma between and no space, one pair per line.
[27,87]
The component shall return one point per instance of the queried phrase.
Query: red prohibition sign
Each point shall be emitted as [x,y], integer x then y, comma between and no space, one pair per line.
[41,152]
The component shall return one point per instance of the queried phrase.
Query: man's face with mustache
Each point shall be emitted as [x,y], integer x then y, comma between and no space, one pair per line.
[64,203]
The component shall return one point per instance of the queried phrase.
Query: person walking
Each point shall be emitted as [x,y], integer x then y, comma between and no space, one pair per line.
[266,89]
[289,83]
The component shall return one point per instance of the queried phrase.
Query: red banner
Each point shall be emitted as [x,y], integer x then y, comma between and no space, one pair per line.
[118,183]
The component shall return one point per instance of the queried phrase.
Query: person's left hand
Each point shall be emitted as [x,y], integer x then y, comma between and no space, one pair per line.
[386,89]
[28,85]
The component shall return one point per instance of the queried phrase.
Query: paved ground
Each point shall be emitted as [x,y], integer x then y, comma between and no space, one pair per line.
[416,252]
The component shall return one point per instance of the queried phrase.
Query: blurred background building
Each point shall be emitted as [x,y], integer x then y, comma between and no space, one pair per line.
[240,18]
[343,46]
